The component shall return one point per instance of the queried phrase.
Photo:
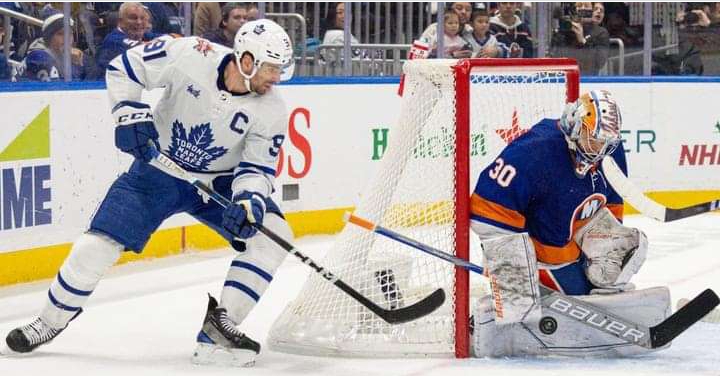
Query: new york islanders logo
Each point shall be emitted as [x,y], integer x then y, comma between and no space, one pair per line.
[194,150]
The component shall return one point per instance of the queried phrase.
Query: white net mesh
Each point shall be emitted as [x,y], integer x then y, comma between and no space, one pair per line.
[413,193]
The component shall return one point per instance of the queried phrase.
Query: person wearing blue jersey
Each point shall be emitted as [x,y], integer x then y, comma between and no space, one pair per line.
[44,61]
[544,200]
[222,119]
[133,29]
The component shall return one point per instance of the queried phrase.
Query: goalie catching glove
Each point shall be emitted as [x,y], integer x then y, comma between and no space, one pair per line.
[247,208]
[614,252]
[135,129]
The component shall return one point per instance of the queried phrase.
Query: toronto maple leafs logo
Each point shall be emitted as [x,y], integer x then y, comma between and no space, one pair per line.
[194,150]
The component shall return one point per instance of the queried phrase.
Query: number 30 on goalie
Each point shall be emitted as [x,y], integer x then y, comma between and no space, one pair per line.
[502,173]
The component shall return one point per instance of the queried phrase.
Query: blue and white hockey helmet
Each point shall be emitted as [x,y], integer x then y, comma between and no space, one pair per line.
[592,127]
[267,42]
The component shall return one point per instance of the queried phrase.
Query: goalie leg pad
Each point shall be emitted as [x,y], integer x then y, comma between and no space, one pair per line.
[252,271]
[556,334]
[614,252]
[90,258]
[511,265]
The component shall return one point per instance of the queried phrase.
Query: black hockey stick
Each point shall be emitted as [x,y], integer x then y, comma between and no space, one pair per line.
[635,197]
[393,316]
[584,312]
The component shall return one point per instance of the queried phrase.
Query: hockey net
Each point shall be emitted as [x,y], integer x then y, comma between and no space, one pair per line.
[456,116]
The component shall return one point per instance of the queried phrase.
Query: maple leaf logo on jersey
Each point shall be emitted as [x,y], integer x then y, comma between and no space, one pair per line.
[510,134]
[194,151]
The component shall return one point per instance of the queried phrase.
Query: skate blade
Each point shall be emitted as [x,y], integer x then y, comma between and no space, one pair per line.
[5,350]
[208,354]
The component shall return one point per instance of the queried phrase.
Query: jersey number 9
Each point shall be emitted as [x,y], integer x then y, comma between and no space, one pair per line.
[502,173]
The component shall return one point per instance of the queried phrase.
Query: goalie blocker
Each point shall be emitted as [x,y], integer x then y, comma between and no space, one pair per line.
[514,320]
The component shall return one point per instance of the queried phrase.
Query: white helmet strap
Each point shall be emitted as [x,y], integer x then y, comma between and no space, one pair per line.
[246,77]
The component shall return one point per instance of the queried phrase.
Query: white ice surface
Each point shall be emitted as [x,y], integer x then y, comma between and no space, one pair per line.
[143,318]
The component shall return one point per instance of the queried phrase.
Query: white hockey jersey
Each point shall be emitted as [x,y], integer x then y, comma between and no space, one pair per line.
[202,126]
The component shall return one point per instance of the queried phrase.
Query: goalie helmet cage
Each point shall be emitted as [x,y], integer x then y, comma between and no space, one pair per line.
[456,116]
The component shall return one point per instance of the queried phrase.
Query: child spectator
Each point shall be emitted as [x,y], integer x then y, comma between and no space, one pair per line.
[483,43]
[453,44]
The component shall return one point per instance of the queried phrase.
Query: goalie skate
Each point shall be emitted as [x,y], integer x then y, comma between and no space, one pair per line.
[219,342]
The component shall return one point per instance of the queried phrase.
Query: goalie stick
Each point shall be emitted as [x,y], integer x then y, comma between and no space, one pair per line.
[635,197]
[713,317]
[584,312]
[395,316]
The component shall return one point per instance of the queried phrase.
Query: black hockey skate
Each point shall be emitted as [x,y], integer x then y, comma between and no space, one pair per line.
[220,342]
[28,337]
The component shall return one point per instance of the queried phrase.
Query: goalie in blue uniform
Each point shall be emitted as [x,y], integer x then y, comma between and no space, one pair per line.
[543,209]
[221,119]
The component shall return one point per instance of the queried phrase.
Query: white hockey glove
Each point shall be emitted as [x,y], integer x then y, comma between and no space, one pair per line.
[614,252]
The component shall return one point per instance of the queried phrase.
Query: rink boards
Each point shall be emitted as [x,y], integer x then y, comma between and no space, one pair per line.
[57,158]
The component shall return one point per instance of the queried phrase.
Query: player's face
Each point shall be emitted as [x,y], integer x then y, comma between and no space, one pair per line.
[267,76]
[591,145]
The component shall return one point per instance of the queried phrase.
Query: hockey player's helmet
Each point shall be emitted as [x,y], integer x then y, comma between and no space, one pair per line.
[592,128]
[267,42]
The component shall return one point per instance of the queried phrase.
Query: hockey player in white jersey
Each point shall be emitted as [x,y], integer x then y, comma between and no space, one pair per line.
[220,118]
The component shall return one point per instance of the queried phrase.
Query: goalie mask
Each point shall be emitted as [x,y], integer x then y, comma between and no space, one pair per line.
[266,42]
[592,128]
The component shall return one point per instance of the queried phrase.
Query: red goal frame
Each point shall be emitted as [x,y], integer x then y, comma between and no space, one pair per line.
[462,71]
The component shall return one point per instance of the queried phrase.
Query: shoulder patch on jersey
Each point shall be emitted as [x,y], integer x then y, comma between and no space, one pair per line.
[203,46]
[194,150]
[194,92]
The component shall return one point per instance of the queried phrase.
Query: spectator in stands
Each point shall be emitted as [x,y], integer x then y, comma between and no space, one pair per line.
[44,61]
[334,35]
[164,18]
[23,33]
[234,15]
[581,37]
[334,26]
[4,68]
[207,17]
[694,38]
[482,42]
[510,30]
[429,36]
[131,31]
[253,12]
[453,44]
